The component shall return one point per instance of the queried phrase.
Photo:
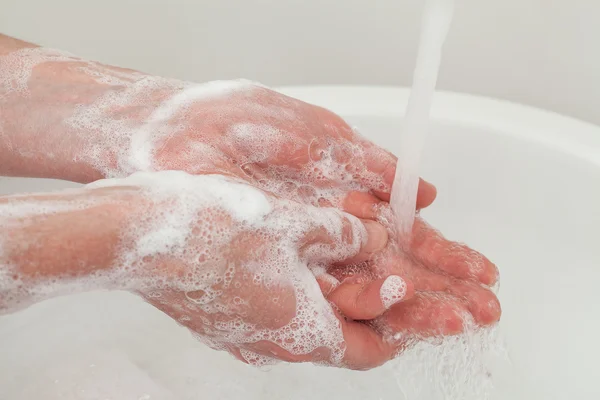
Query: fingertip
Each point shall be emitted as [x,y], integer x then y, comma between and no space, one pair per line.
[426,194]
[365,348]
[375,240]
[377,237]
[355,240]
[361,205]
[327,283]
[479,301]
[490,312]
[490,274]
[437,253]
[383,196]
[382,163]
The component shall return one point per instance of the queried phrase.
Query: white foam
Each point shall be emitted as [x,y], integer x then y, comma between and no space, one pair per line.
[258,360]
[143,141]
[16,68]
[392,291]
[196,92]
[245,203]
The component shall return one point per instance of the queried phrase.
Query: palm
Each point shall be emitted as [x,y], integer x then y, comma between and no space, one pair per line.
[451,283]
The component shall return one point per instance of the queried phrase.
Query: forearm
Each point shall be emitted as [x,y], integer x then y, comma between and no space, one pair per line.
[53,243]
[67,118]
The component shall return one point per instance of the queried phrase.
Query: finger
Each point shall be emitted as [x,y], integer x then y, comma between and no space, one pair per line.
[435,252]
[481,302]
[365,348]
[425,315]
[341,237]
[383,164]
[367,300]
[367,206]
[426,194]
[326,282]
[377,239]
[361,204]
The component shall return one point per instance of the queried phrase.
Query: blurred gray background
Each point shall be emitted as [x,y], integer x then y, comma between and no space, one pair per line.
[544,53]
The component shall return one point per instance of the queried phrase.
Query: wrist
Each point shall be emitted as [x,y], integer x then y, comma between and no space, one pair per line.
[67,118]
[58,244]
[40,90]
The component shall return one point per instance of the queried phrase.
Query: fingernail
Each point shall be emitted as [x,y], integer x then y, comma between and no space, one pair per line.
[377,237]
[392,291]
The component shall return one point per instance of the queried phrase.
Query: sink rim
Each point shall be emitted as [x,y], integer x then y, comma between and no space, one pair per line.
[565,134]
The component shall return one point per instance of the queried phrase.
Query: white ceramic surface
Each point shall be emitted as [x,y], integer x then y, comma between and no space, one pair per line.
[519,184]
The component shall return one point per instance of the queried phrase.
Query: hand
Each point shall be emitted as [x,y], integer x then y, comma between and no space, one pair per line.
[283,145]
[238,267]
[452,285]
[104,121]
[292,149]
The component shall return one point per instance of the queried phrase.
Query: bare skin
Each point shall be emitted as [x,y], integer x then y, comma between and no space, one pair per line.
[444,279]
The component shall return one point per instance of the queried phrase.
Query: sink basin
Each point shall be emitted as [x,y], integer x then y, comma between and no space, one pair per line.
[519,184]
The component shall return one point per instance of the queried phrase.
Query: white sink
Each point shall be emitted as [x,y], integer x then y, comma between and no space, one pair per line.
[519,184]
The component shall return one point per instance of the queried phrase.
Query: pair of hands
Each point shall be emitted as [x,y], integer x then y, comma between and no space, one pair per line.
[304,284]
[274,245]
